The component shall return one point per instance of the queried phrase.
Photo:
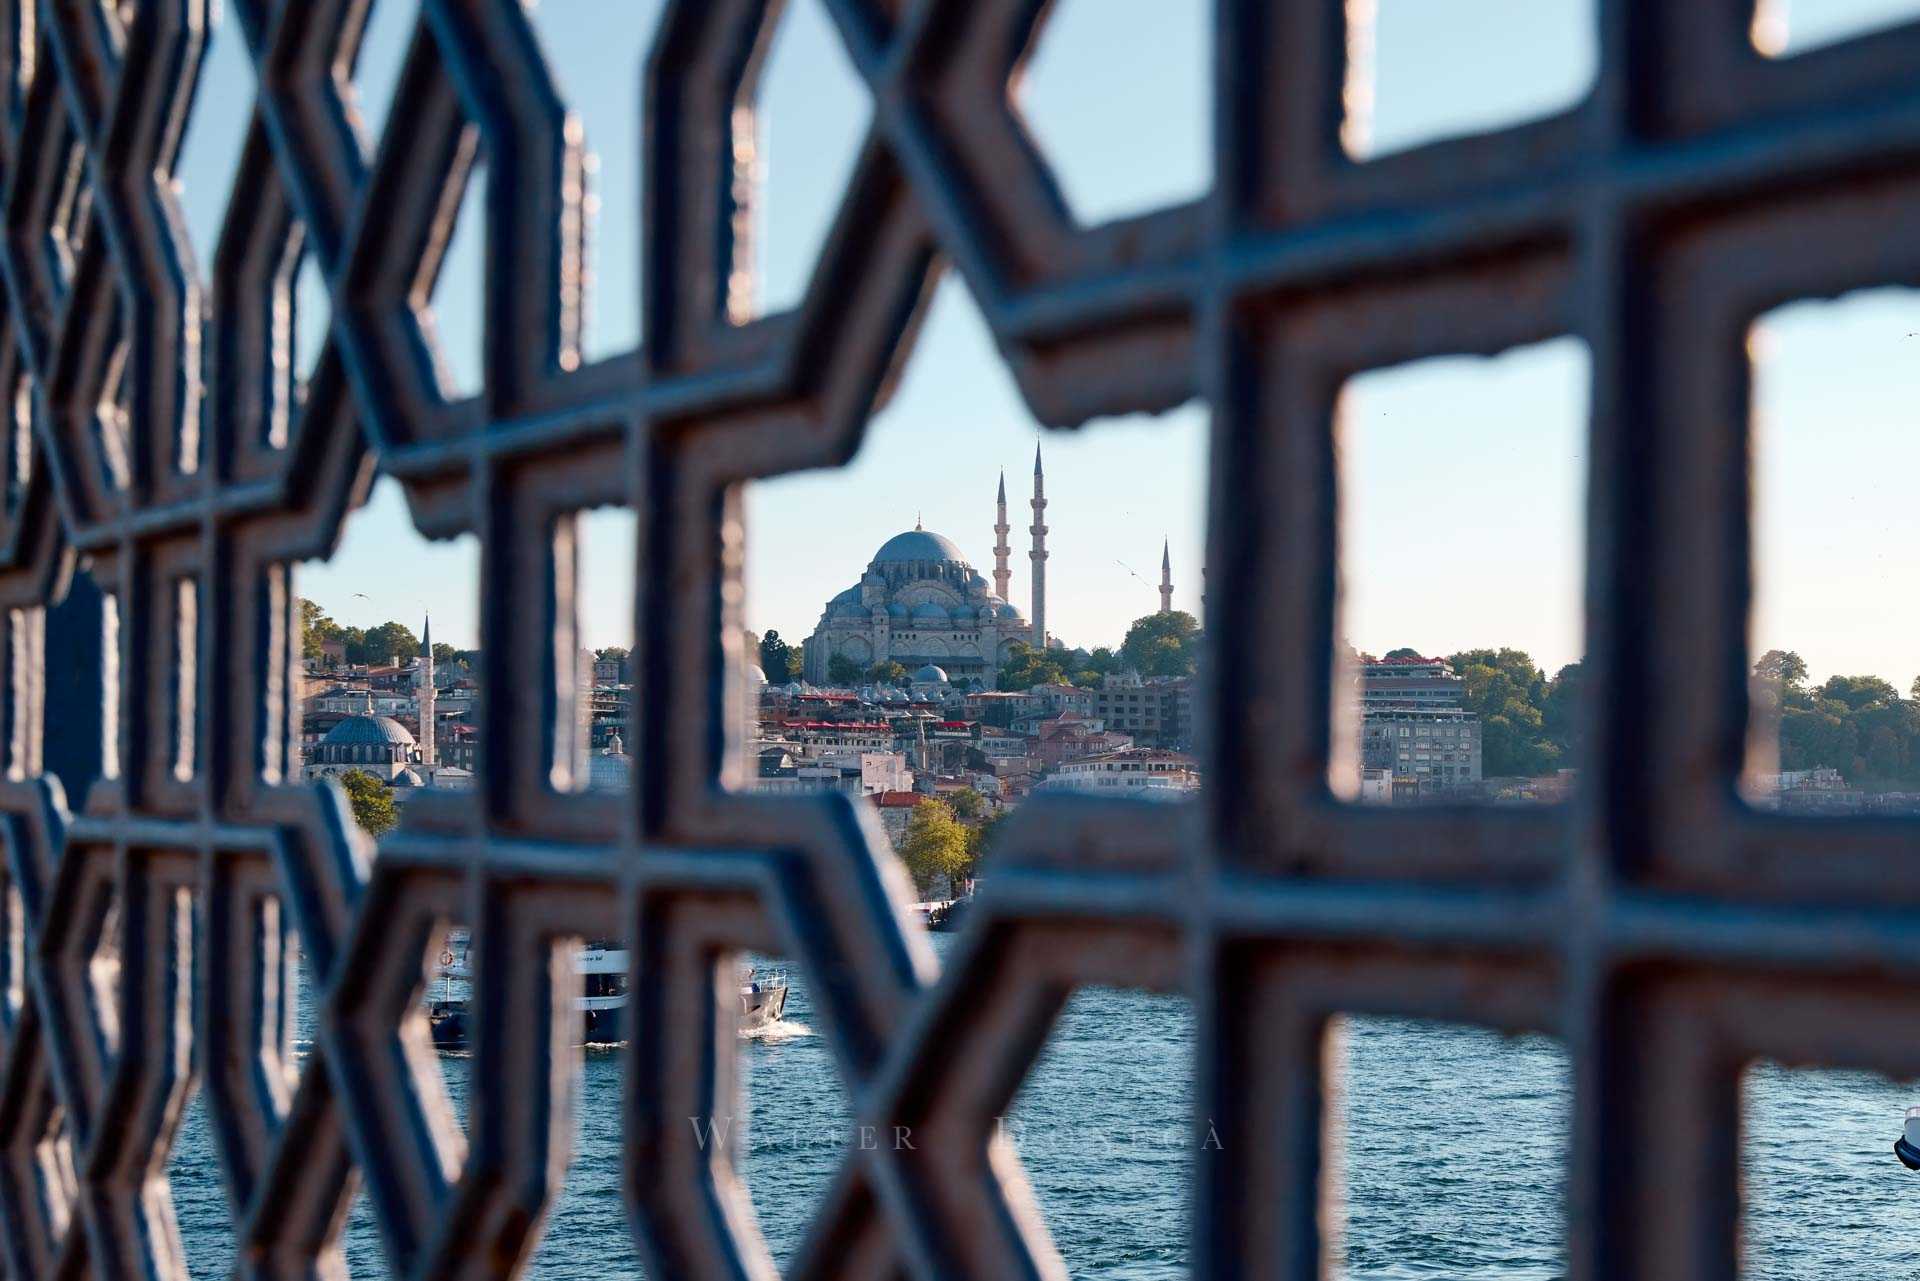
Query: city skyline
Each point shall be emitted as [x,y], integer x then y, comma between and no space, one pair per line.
[1114,95]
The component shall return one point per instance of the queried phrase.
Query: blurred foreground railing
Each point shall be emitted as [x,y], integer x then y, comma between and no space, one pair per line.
[161,445]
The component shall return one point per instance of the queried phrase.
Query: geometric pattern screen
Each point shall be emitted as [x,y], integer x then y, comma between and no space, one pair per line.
[159,441]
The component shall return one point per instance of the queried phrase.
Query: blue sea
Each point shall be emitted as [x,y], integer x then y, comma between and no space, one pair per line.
[1452,1163]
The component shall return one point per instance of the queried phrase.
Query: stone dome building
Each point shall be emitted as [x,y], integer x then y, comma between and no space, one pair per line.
[376,745]
[919,604]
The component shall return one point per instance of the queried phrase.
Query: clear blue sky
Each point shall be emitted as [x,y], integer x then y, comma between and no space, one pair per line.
[1476,465]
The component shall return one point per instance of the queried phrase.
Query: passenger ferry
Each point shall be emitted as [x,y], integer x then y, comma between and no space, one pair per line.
[602,1001]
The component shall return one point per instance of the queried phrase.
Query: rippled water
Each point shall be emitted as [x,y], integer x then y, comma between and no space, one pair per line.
[1452,1162]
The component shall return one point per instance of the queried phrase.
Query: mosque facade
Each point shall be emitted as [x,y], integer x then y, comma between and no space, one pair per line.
[921,604]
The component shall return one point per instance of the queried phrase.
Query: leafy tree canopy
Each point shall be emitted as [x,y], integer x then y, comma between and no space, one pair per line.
[967,805]
[779,660]
[371,802]
[887,673]
[934,843]
[368,645]
[1027,666]
[1858,725]
[384,643]
[1783,666]
[1507,691]
[1162,644]
[1859,692]
[842,670]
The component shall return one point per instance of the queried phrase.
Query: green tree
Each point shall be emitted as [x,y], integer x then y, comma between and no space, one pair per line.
[842,670]
[779,660]
[1505,689]
[315,630]
[380,644]
[1403,652]
[887,673]
[618,652]
[1858,725]
[1886,742]
[967,805]
[980,839]
[1819,734]
[1560,711]
[1162,644]
[934,843]
[371,802]
[1859,692]
[1782,665]
[1026,667]
[444,655]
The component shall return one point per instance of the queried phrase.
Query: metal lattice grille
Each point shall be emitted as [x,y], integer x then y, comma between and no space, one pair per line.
[1665,932]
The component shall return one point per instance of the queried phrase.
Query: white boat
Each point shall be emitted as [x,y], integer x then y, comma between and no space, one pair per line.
[603,996]
[1907,1146]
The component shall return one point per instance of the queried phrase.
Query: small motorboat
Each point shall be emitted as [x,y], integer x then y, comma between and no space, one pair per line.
[1907,1146]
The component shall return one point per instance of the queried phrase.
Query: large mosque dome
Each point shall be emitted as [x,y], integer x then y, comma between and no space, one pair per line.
[358,731]
[919,603]
[919,545]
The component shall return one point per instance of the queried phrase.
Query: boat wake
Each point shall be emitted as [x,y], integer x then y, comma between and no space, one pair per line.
[778,1030]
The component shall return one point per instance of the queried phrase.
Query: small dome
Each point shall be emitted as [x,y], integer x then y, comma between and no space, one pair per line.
[756,675]
[408,777]
[963,615]
[359,730]
[930,675]
[917,545]
[898,611]
[931,614]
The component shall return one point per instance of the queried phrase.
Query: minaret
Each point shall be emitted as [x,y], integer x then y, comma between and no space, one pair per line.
[427,694]
[1039,553]
[1166,577]
[1002,576]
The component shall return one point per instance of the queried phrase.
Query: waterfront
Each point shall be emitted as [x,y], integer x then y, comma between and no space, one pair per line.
[1454,1145]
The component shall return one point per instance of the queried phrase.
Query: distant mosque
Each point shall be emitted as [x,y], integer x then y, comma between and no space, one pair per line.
[920,604]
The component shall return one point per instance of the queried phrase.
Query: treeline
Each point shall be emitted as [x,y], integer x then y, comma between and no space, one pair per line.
[368,645]
[1859,725]
[1156,645]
